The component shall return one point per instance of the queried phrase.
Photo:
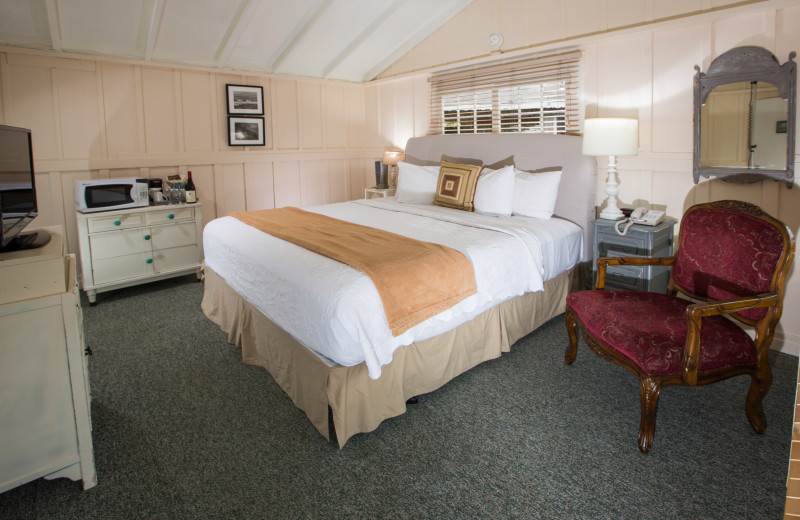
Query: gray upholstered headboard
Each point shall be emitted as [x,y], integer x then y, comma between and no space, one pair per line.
[576,193]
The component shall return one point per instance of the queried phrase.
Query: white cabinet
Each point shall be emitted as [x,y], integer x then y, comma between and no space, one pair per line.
[133,246]
[45,422]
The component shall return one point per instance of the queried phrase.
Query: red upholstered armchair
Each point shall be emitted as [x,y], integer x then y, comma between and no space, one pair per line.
[729,270]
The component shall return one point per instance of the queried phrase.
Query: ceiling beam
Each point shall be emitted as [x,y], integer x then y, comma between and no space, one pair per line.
[235,31]
[52,23]
[150,26]
[361,37]
[300,32]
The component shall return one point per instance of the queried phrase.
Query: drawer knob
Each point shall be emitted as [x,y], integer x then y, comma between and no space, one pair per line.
[147,237]
[117,222]
[171,216]
[149,260]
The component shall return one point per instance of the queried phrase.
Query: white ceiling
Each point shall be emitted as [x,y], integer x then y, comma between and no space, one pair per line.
[351,40]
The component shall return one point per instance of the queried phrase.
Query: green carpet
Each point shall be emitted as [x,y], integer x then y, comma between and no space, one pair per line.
[184,429]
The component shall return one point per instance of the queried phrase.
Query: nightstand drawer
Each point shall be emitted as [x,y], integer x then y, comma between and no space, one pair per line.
[621,246]
[620,281]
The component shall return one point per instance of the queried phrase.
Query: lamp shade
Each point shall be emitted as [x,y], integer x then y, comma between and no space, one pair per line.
[610,136]
[392,156]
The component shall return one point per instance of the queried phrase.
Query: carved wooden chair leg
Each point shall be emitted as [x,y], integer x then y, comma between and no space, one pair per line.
[649,389]
[760,383]
[572,331]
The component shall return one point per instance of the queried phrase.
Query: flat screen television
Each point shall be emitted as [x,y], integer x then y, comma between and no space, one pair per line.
[18,191]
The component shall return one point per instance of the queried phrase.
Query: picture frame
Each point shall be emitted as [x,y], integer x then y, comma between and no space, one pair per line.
[245,99]
[245,131]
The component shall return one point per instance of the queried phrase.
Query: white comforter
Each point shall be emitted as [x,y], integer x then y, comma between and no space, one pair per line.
[336,311]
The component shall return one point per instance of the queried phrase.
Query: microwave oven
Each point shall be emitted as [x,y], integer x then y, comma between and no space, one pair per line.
[107,194]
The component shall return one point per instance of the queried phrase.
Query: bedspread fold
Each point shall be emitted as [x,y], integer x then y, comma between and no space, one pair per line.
[415,279]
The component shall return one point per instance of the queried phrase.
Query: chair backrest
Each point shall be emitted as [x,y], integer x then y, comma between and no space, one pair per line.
[732,249]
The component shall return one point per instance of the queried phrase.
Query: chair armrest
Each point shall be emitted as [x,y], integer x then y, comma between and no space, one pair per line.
[694,315]
[605,261]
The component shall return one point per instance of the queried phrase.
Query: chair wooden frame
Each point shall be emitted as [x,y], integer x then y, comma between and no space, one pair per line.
[760,372]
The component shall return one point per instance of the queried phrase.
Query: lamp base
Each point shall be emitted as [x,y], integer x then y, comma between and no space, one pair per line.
[611,215]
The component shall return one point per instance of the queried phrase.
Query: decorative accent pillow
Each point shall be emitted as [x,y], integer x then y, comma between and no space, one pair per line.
[456,185]
[535,193]
[494,194]
[416,184]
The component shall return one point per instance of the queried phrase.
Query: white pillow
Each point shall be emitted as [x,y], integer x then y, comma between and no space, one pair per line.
[416,184]
[494,194]
[535,193]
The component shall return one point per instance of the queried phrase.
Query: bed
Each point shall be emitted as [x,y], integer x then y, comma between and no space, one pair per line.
[332,354]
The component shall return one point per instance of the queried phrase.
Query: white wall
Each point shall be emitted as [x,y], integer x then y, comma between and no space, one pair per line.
[643,70]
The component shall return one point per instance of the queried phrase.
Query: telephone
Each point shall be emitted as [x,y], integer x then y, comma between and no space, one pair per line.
[641,215]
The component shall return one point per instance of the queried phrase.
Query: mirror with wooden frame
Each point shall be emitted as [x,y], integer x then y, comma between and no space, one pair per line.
[744,117]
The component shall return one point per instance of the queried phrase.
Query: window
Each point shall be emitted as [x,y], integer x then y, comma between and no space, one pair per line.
[531,95]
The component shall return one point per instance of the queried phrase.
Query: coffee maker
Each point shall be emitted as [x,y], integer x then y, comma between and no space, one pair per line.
[157,196]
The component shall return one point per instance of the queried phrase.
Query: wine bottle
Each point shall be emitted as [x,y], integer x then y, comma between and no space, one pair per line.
[191,193]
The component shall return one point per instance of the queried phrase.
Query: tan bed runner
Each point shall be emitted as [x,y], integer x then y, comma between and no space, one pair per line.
[415,280]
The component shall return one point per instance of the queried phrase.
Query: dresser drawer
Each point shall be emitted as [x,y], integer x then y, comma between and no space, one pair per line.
[122,267]
[170,215]
[111,222]
[119,243]
[174,258]
[177,235]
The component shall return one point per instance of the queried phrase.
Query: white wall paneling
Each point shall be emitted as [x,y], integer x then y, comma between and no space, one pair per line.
[287,126]
[287,183]
[259,189]
[310,113]
[101,117]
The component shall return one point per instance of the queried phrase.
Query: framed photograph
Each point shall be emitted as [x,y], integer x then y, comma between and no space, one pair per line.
[245,99]
[780,127]
[245,131]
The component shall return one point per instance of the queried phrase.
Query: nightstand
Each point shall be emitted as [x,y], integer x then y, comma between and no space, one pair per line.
[374,192]
[641,241]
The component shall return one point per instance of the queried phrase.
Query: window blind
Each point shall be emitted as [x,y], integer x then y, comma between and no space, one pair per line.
[540,94]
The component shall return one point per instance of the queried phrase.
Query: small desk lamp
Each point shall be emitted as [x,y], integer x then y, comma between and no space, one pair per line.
[391,157]
[611,137]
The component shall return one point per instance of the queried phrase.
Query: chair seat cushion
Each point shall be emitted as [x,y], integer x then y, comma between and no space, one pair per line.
[650,329]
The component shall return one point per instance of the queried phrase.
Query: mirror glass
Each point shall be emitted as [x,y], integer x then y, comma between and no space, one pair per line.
[744,117]
[744,126]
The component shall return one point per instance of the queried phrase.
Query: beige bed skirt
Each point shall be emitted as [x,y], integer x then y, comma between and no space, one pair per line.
[357,403]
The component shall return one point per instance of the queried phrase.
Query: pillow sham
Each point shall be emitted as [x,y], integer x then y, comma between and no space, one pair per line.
[494,194]
[416,184]
[535,193]
[456,185]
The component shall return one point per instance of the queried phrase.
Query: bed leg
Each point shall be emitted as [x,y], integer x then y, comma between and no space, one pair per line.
[413,400]
[331,427]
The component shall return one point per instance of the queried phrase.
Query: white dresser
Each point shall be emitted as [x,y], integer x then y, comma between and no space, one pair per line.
[132,246]
[45,421]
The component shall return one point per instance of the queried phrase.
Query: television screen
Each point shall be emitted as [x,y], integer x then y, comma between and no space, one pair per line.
[17,190]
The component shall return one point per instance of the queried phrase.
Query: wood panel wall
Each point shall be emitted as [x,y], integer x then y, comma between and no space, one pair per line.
[98,118]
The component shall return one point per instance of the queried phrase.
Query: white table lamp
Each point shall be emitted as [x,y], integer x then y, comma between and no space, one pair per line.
[611,137]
